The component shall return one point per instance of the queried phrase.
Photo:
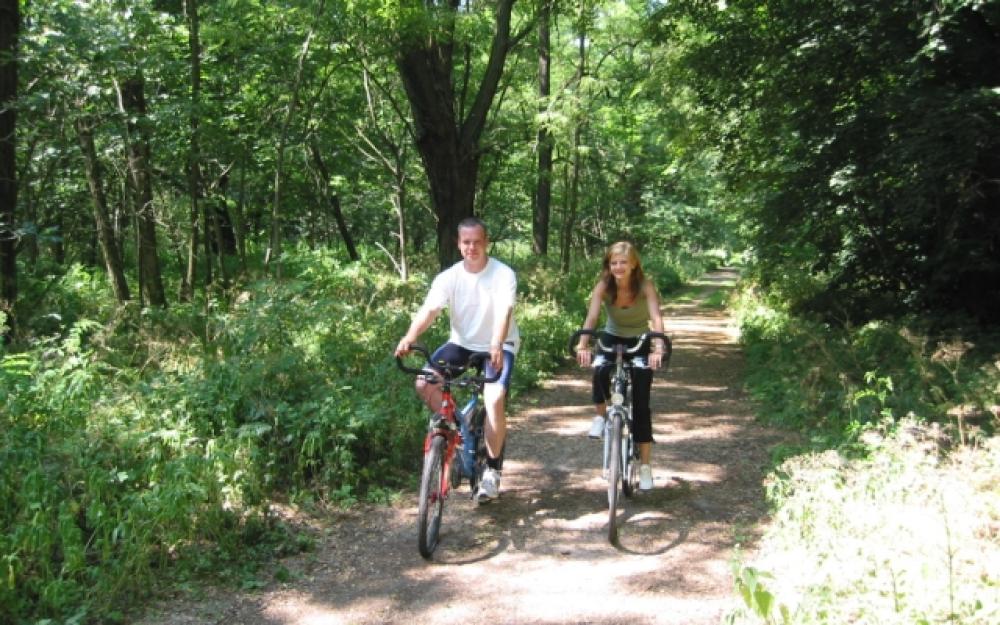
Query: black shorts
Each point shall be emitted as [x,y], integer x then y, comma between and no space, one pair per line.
[455,354]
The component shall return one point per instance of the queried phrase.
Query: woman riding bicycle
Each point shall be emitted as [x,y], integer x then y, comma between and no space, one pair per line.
[632,308]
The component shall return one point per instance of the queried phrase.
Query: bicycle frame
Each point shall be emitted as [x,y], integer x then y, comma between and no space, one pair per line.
[461,429]
[444,423]
[621,404]
[447,431]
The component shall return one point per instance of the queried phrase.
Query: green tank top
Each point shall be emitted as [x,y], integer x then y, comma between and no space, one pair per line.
[628,321]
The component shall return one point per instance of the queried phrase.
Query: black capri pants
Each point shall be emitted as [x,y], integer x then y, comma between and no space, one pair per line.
[642,382]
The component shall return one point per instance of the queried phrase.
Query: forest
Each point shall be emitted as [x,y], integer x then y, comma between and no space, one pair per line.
[216,217]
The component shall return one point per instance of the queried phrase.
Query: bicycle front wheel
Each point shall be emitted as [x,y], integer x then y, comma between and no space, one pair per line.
[432,489]
[614,474]
[630,464]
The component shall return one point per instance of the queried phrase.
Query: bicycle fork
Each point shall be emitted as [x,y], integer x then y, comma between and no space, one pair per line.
[608,433]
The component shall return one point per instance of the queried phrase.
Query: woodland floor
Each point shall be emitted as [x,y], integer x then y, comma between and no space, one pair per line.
[540,554]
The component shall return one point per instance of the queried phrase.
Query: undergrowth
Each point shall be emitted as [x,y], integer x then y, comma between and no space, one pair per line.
[142,448]
[903,535]
[888,511]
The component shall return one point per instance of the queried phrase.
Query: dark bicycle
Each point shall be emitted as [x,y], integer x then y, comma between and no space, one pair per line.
[621,454]
[450,433]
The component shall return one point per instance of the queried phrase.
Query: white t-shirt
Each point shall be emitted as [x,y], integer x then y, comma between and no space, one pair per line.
[475,303]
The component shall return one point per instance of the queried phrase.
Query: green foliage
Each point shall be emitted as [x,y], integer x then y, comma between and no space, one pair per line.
[857,148]
[830,381]
[153,445]
[900,535]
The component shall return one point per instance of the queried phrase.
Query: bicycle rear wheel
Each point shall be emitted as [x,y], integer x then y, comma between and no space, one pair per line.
[614,474]
[478,446]
[432,489]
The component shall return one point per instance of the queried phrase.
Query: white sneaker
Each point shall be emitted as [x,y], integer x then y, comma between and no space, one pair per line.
[645,477]
[597,427]
[489,485]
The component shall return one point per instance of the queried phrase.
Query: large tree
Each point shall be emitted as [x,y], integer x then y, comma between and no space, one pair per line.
[133,102]
[543,185]
[449,123]
[10,23]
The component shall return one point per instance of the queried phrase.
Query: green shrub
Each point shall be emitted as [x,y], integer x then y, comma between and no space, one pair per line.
[903,535]
[817,378]
[142,446]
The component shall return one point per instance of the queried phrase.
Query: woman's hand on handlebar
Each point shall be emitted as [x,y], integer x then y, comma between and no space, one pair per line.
[579,346]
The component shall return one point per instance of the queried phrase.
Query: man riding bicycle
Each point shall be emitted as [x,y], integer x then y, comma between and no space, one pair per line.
[479,293]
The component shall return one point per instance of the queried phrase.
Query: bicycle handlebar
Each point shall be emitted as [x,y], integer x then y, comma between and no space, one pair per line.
[442,371]
[641,340]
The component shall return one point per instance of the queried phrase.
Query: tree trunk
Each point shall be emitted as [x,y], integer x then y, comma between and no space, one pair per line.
[543,192]
[194,158]
[206,240]
[10,25]
[449,144]
[239,216]
[274,246]
[572,203]
[573,192]
[334,201]
[385,148]
[134,106]
[105,233]
[220,244]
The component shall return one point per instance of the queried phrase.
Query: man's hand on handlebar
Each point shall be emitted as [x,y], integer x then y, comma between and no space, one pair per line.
[403,348]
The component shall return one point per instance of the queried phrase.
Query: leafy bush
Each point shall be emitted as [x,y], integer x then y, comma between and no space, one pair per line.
[902,535]
[819,378]
[888,527]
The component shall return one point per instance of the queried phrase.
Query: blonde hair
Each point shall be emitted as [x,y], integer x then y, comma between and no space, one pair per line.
[626,249]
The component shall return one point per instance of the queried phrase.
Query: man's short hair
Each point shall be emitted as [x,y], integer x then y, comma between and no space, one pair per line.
[473,222]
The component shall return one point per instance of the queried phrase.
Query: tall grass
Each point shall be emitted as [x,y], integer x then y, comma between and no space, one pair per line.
[830,381]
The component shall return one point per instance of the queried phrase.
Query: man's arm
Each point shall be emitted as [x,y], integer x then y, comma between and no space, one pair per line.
[499,336]
[421,321]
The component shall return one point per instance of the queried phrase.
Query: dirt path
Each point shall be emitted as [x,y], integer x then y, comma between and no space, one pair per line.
[540,555]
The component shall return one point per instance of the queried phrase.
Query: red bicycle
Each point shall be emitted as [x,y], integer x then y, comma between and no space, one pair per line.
[449,432]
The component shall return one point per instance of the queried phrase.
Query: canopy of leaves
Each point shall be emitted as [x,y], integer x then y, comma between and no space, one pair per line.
[862,144]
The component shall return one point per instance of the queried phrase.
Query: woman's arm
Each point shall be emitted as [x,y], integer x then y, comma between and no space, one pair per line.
[590,322]
[655,322]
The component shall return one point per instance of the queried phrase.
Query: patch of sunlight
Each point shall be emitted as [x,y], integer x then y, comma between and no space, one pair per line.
[666,433]
[559,410]
[582,382]
[698,324]
[588,522]
[298,609]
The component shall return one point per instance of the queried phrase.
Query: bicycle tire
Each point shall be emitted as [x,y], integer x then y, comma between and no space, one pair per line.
[614,474]
[431,497]
[630,471]
[479,464]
